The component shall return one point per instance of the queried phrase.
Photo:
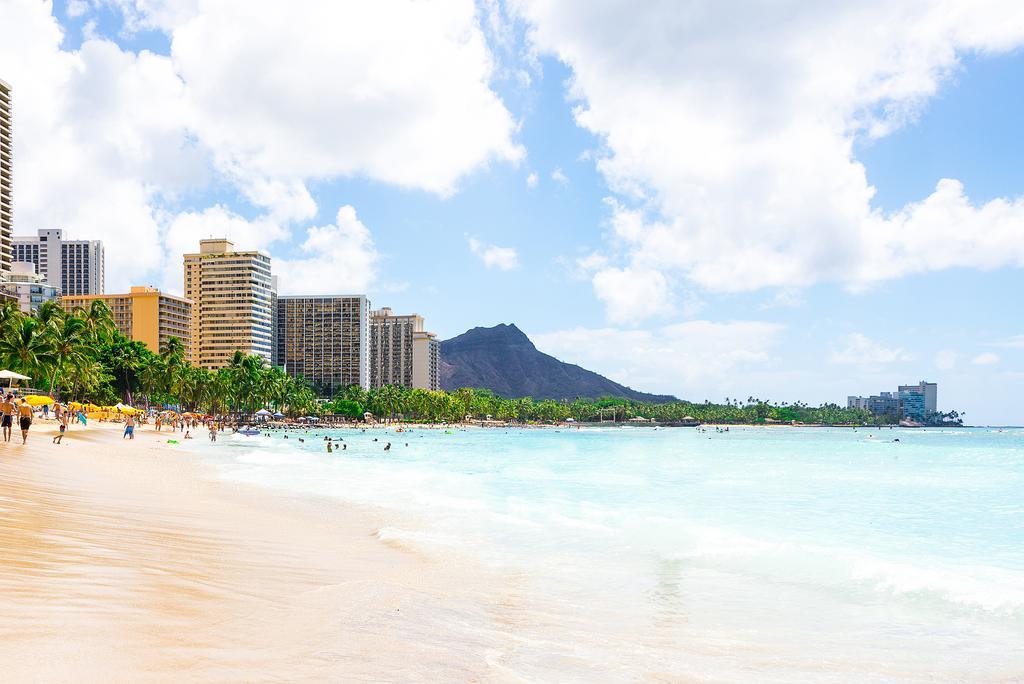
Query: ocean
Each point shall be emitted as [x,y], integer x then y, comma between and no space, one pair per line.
[759,554]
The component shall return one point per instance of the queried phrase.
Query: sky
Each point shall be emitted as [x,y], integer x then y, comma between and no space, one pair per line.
[782,200]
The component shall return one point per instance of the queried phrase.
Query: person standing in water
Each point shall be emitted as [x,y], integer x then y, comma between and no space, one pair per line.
[8,416]
[24,419]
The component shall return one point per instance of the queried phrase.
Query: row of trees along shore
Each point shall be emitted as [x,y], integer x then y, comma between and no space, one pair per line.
[425,405]
[81,356]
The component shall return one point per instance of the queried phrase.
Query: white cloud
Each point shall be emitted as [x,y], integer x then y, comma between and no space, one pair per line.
[559,177]
[861,350]
[76,8]
[585,267]
[532,180]
[1012,342]
[264,97]
[786,298]
[99,140]
[502,258]
[728,131]
[395,90]
[632,295]
[695,359]
[945,359]
[337,259]
[985,359]
[186,229]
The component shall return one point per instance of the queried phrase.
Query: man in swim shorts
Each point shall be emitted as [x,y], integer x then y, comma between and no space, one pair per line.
[129,428]
[24,419]
[7,407]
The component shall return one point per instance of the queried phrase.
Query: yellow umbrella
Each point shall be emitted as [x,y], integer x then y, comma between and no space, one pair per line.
[38,400]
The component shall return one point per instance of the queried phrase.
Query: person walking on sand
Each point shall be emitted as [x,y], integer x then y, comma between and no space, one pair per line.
[158,423]
[24,419]
[129,428]
[213,431]
[8,416]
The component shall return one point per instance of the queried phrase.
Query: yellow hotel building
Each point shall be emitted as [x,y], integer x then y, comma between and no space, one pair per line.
[232,306]
[145,314]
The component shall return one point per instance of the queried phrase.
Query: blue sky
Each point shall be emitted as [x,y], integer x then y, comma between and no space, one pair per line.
[661,207]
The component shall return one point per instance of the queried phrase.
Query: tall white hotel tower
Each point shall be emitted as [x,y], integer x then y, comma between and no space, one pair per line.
[6,180]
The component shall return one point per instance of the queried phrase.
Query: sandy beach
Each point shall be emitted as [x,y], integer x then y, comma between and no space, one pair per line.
[129,561]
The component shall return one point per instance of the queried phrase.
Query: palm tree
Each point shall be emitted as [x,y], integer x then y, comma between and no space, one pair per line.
[49,312]
[68,337]
[26,347]
[98,319]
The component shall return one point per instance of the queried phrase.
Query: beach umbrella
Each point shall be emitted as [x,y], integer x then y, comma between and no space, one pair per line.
[279,415]
[264,412]
[38,400]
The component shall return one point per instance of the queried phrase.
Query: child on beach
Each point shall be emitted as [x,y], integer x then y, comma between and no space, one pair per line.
[62,428]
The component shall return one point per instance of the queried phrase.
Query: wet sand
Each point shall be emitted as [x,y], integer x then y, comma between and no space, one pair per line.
[130,561]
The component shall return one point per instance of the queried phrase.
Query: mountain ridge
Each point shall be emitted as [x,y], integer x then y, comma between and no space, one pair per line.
[504,360]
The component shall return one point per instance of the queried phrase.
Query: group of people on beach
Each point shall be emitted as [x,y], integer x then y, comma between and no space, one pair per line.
[12,407]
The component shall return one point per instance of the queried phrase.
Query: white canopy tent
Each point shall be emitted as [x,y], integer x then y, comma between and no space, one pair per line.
[10,376]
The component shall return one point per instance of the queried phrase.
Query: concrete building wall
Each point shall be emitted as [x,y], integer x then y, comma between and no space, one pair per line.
[426,361]
[77,267]
[402,352]
[324,339]
[144,314]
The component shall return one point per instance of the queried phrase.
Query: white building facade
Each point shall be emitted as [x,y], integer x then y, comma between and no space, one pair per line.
[76,267]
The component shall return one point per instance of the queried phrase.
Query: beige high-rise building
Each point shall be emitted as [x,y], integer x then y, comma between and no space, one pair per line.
[144,314]
[6,179]
[231,303]
[402,352]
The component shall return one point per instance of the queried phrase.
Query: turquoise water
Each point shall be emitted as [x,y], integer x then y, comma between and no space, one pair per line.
[761,554]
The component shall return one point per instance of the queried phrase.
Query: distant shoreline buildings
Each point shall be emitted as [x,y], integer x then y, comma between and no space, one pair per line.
[333,341]
[917,403]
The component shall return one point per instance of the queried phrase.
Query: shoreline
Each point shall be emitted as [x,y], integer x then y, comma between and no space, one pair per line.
[127,560]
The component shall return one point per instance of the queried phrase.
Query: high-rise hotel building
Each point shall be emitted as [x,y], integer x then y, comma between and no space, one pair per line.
[231,303]
[6,179]
[145,314]
[402,352]
[75,266]
[324,339]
